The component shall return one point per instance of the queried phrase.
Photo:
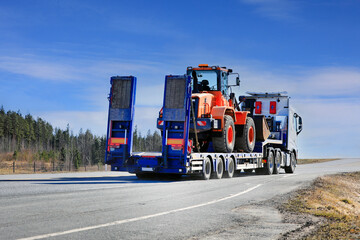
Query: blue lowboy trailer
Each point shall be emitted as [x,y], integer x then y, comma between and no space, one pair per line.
[179,155]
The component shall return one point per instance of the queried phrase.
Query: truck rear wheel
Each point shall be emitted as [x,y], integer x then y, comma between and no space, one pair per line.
[226,142]
[277,161]
[268,168]
[245,142]
[231,169]
[291,168]
[219,171]
[206,169]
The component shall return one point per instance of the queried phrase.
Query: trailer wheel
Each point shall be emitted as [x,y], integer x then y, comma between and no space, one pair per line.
[245,142]
[231,169]
[226,142]
[206,169]
[268,168]
[291,168]
[277,161]
[219,171]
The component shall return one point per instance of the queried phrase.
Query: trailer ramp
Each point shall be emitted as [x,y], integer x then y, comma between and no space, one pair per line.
[120,121]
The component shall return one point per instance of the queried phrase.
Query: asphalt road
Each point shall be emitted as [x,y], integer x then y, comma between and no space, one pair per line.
[113,205]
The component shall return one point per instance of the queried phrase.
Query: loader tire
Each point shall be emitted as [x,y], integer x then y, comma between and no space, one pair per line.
[226,142]
[245,142]
[291,168]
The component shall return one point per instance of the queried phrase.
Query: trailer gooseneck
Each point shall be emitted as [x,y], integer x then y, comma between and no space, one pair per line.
[205,131]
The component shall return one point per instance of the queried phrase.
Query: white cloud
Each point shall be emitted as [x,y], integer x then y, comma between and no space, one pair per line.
[332,82]
[327,99]
[48,70]
[328,82]
[95,121]
[150,95]
[66,70]
[331,127]
[276,9]
[116,67]
[145,119]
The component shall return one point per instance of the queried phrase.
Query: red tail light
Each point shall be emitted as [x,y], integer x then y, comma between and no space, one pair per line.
[272,107]
[258,107]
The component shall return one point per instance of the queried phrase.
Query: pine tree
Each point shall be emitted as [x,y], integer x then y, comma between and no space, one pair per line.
[63,155]
[2,121]
[77,159]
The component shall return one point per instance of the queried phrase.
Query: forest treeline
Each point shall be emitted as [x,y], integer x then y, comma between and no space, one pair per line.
[19,134]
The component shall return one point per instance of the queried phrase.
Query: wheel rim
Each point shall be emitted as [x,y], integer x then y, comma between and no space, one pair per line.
[220,167]
[230,135]
[251,135]
[271,160]
[231,167]
[207,168]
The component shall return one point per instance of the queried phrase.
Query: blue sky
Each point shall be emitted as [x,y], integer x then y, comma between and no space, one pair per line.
[56,58]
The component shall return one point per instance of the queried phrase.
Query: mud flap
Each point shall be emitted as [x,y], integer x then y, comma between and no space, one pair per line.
[262,128]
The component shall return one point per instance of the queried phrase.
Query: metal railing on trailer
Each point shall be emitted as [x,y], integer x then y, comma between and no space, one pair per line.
[242,160]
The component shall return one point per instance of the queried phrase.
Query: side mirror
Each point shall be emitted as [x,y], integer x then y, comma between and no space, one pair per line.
[237,81]
[299,124]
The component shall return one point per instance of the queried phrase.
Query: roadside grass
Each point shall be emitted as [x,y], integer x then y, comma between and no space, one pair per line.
[335,198]
[28,162]
[308,161]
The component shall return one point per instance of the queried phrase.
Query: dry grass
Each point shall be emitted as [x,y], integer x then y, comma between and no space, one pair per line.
[336,198]
[308,161]
[25,164]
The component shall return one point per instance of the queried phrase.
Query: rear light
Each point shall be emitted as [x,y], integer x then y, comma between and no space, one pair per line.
[176,147]
[258,107]
[203,65]
[272,107]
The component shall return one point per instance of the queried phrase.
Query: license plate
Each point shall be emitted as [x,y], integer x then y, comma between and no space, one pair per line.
[147,169]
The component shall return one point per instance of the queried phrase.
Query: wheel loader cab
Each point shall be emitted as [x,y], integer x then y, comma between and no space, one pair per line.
[205,78]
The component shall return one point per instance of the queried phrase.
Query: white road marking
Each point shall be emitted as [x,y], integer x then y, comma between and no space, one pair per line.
[138,218]
[288,175]
[95,188]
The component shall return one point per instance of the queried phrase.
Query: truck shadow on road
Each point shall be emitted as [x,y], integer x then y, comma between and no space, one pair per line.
[114,179]
[89,180]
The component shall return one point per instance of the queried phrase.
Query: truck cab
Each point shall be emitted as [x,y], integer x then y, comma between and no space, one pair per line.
[283,121]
